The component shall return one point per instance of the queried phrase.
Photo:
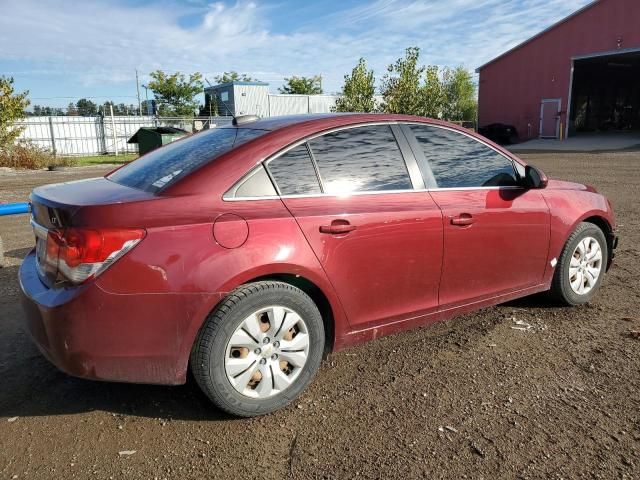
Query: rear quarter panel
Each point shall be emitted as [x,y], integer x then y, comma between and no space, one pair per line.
[186,261]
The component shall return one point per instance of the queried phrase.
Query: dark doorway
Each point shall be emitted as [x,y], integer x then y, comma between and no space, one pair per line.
[606,93]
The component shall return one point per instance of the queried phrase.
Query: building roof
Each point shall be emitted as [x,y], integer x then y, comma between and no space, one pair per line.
[548,29]
[237,82]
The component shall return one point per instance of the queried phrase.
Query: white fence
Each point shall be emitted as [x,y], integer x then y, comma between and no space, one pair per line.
[97,135]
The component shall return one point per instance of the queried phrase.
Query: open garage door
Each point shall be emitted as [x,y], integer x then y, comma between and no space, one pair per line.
[605,93]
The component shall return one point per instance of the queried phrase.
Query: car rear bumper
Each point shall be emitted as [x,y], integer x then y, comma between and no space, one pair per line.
[90,333]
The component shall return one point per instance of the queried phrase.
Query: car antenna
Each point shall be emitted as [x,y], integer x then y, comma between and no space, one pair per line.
[228,109]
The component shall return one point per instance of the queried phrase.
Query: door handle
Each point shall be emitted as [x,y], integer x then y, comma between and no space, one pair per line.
[337,227]
[462,220]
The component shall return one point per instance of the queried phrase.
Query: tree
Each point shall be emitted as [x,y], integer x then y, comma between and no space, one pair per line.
[460,95]
[71,109]
[86,107]
[12,108]
[358,90]
[175,93]
[447,94]
[432,93]
[302,85]
[232,76]
[401,86]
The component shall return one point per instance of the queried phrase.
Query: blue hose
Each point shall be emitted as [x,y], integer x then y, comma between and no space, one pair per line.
[14,208]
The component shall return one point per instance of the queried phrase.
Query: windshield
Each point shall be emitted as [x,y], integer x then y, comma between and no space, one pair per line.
[160,168]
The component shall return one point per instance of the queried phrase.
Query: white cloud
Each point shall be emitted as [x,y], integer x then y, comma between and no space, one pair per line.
[102,42]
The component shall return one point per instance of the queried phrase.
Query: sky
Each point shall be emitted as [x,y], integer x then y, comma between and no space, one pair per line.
[63,50]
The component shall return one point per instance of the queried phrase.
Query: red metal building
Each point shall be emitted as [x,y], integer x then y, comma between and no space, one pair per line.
[580,75]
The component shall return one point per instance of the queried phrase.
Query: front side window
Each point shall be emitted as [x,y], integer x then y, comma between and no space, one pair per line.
[460,161]
[159,168]
[293,172]
[361,159]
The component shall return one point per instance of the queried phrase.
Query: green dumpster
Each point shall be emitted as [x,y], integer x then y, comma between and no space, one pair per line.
[150,138]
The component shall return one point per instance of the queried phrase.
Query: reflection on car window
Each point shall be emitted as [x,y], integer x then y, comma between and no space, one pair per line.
[294,173]
[360,159]
[156,170]
[458,160]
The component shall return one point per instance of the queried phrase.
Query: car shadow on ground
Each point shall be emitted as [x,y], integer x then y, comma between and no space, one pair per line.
[539,300]
[31,386]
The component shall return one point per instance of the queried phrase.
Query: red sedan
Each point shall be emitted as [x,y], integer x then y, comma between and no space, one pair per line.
[247,252]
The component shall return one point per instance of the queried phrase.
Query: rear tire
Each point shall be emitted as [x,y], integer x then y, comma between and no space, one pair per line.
[581,267]
[259,348]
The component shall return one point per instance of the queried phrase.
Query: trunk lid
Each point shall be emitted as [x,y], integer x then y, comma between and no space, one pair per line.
[59,230]
[55,205]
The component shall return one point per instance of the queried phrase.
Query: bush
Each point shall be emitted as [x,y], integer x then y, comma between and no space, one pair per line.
[29,157]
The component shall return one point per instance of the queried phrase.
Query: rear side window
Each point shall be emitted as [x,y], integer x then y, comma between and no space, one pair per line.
[459,161]
[293,172]
[361,159]
[160,168]
[258,184]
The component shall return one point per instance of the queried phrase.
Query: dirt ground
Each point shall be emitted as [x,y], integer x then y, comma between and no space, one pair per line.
[468,398]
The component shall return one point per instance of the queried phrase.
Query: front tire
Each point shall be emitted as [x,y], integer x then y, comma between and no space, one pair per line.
[581,267]
[259,348]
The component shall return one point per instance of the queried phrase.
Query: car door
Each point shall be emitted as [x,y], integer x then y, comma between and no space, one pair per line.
[379,240]
[496,233]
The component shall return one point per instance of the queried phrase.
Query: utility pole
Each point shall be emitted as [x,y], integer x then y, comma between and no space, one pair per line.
[113,129]
[146,103]
[138,90]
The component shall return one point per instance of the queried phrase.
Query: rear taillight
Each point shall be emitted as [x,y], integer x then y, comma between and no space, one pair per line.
[80,254]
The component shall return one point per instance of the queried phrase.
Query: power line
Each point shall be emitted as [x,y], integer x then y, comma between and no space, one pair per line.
[82,96]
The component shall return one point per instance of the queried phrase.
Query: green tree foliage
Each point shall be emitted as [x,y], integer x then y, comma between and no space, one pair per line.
[39,110]
[358,90]
[86,107]
[175,93]
[432,93]
[119,109]
[232,76]
[401,86]
[447,94]
[460,95]
[71,109]
[12,108]
[302,85]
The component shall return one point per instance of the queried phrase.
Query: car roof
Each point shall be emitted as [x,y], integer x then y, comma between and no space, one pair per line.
[320,120]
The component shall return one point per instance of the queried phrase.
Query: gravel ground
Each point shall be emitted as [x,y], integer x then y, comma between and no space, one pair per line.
[468,398]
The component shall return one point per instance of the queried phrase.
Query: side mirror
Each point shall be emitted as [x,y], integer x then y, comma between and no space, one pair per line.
[534,178]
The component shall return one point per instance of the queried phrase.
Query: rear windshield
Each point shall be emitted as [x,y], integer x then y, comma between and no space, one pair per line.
[160,168]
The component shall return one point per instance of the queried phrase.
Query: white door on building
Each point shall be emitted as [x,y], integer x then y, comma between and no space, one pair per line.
[550,118]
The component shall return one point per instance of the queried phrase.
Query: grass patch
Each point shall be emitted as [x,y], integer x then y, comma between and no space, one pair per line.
[101,159]
[25,156]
